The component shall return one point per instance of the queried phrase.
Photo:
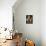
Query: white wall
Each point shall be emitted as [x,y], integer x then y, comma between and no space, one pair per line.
[6,13]
[31,31]
[43,22]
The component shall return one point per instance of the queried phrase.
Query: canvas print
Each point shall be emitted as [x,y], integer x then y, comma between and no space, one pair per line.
[29,19]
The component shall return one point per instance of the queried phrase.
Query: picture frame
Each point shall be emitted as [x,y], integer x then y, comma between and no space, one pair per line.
[29,19]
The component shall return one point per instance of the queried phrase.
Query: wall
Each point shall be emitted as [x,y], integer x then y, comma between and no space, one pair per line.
[6,13]
[43,22]
[31,31]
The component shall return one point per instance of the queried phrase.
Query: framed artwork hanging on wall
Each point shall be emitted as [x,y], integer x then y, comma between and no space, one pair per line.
[29,19]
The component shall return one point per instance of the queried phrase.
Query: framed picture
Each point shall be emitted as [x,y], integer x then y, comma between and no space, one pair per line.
[29,19]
